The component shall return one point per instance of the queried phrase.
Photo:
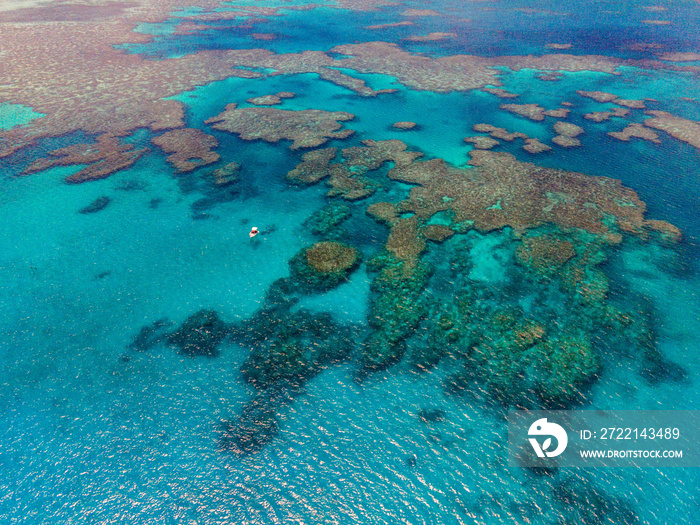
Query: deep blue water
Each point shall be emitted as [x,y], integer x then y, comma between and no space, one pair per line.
[90,437]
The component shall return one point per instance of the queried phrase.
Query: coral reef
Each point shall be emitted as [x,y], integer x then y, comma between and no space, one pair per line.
[287,349]
[254,427]
[583,502]
[567,134]
[598,96]
[530,111]
[499,133]
[345,177]
[324,265]
[98,204]
[104,157]
[226,175]
[500,92]
[314,166]
[189,148]
[502,191]
[431,37]
[419,12]
[387,26]
[679,128]
[602,116]
[271,100]
[544,253]
[481,142]
[404,125]
[396,308]
[635,130]
[431,415]
[199,335]
[326,221]
[306,129]
[265,100]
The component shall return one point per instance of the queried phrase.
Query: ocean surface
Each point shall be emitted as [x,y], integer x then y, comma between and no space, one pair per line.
[96,430]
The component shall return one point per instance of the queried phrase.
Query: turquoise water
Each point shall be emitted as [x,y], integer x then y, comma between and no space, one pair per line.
[96,429]
[12,115]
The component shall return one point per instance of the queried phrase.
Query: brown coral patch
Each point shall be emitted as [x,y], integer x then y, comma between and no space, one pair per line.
[437,232]
[348,185]
[544,253]
[566,142]
[265,100]
[58,12]
[419,12]
[265,36]
[633,104]
[404,125]
[406,243]
[431,37]
[598,96]
[679,128]
[188,148]
[558,46]
[535,146]
[557,113]
[499,133]
[306,129]
[680,57]
[385,212]
[481,142]
[105,157]
[635,130]
[331,257]
[531,111]
[500,92]
[373,153]
[314,166]
[602,116]
[501,191]
[452,73]
[669,233]
[549,76]
[386,26]
[567,129]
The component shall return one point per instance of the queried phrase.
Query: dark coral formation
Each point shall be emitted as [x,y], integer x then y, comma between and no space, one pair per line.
[98,204]
[396,308]
[325,222]
[200,334]
[253,428]
[226,175]
[306,129]
[287,349]
[324,265]
[151,335]
[583,502]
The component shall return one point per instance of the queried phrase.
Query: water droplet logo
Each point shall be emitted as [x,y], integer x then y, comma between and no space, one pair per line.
[543,428]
